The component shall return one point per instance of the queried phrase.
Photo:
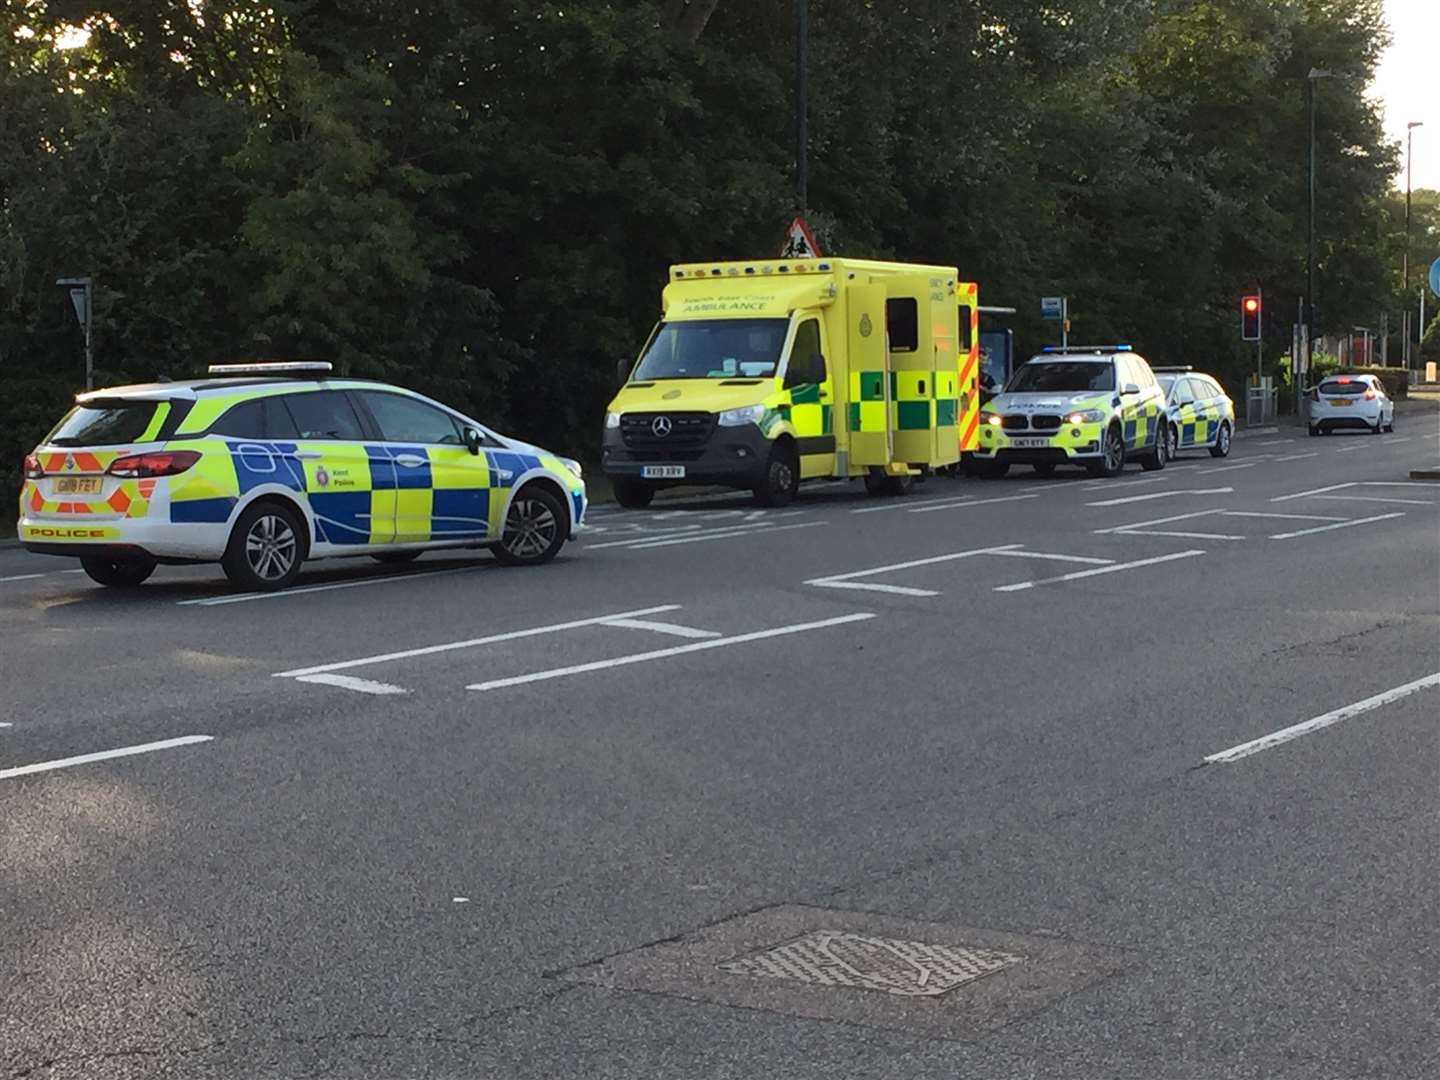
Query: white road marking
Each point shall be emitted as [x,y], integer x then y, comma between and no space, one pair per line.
[1312,491]
[1162,495]
[834,581]
[241,598]
[971,502]
[1021,553]
[450,646]
[1324,720]
[867,586]
[103,755]
[1297,457]
[6,723]
[674,629]
[661,654]
[908,504]
[1157,521]
[1180,535]
[1407,438]
[1339,525]
[1377,498]
[350,682]
[1284,517]
[1436,436]
[1251,432]
[1117,567]
[23,577]
[732,534]
[1352,449]
[1228,468]
[638,537]
[1106,485]
[1416,484]
[1275,442]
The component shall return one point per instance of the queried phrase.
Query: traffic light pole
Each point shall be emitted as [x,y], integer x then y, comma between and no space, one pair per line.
[1259,336]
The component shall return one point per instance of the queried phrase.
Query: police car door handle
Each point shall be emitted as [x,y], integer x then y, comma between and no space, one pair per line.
[505,474]
[410,461]
[307,455]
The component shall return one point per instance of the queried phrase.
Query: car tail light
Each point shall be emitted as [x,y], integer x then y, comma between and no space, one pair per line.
[166,463]
[33,469]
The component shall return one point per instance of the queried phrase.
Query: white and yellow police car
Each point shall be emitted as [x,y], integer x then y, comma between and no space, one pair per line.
[1202,416]
[267,465]
[1096,406]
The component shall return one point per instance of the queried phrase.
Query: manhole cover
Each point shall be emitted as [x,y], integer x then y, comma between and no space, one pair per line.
[905,968]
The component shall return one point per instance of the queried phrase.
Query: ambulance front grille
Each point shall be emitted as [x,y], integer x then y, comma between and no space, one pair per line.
[686,430]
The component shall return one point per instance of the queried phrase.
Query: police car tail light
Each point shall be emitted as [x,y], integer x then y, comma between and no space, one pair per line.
[163,464]
[33,468]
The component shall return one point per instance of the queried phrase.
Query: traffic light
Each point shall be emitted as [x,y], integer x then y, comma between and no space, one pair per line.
[1250,318]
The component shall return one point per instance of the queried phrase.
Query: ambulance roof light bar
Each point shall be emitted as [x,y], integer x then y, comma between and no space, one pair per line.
[274,367]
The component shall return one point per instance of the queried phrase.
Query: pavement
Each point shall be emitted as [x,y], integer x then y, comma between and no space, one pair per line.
[964,784]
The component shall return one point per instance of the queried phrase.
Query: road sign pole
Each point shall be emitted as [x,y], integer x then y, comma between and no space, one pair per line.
[1064,322]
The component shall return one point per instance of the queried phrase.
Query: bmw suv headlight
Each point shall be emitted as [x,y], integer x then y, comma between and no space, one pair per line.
[612,419]
[750,414]
[1086,416]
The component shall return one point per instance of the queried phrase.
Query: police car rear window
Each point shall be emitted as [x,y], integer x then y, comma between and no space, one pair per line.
[104,423]
[1350,386]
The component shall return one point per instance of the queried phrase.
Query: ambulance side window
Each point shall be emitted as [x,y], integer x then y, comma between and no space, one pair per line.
[902,321]
[804,367]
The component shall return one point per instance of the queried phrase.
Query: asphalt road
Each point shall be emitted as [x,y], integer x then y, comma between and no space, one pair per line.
[440,816]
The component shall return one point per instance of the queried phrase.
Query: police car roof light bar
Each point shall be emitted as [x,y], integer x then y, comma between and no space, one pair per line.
[1171,368]
[1086,348]
[274,367]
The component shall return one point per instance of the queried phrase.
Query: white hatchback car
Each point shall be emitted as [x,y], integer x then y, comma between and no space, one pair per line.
[1350,401]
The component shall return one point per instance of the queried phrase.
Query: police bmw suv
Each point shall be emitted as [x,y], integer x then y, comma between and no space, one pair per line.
[1095,406]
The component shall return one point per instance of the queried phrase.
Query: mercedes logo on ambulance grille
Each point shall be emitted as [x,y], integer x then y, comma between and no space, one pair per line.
[660,426]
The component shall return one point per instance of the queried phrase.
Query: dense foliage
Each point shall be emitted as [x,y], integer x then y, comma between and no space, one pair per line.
[480,199]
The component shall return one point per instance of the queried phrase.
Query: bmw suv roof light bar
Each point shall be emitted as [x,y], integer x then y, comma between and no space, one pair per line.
[274,367]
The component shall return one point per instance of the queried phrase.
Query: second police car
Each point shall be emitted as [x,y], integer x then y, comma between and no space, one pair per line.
[272,464]
[1202,416]
[1094,406]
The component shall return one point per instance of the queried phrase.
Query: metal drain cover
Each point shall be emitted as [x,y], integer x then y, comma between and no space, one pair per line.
[858,967]
[904,968]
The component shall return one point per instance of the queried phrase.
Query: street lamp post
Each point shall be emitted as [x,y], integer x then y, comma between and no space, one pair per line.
[802,104]
[1315,74]
[1405,258]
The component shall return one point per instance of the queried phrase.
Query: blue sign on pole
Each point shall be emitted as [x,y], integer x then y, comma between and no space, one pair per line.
[1435,277]
[1052,307]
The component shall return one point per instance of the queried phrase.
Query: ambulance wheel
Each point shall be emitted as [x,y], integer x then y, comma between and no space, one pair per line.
[781,478]
[266,548]
[1044,468]
[633,494]
[394,558]
[117,573]
[1112,462]
[534,528]
[1222,441]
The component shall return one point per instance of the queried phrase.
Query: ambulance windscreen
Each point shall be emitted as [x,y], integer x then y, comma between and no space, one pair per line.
[714,349]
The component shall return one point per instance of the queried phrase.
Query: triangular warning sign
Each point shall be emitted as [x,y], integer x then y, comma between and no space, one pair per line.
[799,242]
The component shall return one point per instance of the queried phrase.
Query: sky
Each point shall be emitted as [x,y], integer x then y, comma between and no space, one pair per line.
[1407,85]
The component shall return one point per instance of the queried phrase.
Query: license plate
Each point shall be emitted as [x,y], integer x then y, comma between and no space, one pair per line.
[663,472]
[77,485]
[1027,444]
[1341,401]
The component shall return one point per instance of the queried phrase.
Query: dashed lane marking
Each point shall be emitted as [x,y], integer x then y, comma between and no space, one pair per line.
[674,629]
[1228,468]
[1377,499]
[1338,525]
[103,755]
[471,643]
[1162,495]
[1324,720]
[961,505]
[1297,457]
[350,682]
[662,654]
[1275,442]
[729,534]
[1114,569]
[1352,449]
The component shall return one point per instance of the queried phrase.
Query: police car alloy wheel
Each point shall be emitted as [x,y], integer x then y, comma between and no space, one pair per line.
[1171,442]
[117,573]
[1112,460]
[265,549]
[534,529]
[1222,441]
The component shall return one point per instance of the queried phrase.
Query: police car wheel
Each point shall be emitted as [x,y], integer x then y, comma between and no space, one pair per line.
[781,478]
[1172,442]
[633,494]
[265,549]
[1157,457]
[1314,430]
[534,528]
[118,573]
[1112,460]
[395,557]
[1222,442]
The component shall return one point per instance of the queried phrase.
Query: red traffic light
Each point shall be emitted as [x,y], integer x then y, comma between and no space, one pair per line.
[1250,318]
[1252,304]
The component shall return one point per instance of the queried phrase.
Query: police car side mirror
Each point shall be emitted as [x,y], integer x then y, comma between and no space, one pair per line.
[1130,388]
[473,440]
[622,370]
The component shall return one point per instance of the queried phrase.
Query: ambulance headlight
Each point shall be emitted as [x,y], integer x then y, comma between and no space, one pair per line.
[1085,416]
[574,467]
[750,414]
[612,419]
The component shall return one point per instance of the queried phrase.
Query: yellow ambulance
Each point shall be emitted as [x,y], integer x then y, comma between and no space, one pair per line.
[763,374]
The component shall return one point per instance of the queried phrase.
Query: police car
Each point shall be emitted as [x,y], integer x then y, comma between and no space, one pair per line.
[267,465]
[1202,416]
[1096,406]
